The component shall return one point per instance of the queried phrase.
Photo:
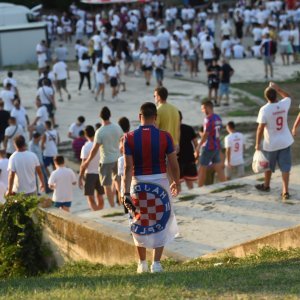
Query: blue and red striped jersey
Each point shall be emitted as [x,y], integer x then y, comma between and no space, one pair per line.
[268,48]
[149,147]
[212,126]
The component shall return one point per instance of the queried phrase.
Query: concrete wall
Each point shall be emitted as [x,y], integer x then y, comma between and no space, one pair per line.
[74,238]
[17,45]
[281,240]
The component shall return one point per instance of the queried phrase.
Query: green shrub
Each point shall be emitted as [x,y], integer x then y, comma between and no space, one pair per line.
[21,248]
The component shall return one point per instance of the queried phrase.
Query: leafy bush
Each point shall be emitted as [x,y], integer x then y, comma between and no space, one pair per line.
[21,248]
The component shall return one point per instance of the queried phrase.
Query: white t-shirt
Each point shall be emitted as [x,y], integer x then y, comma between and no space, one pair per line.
[294,34]
[174,48]
[11,132]
[43,115]
[163,40]
[113,71]
[146,59]
[149,42]
[97,41]
[7,97]
[20,115]
[24,165]
[84,65]
[42,54]
[81,50]
[51,142]
[226,28]
[80,26]
[226,48]
[94,163]
[45,93]
[107,55]
[74,129]
[284,37]
[100,78]
[257,34]
[277,135]
[3,171]
[60,70]
[238,51]
[207,48]
[63,179]
[158,60]
[235,141]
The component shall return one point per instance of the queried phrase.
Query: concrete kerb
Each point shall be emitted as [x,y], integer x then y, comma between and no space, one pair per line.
[72,238]
[280,240]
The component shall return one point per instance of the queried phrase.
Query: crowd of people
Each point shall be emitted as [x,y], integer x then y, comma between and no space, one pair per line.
[164,152]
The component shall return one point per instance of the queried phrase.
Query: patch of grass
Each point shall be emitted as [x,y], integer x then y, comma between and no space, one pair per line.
[228,188]
[242,113]
[178,94]
[187,197]
[245,101]
[115,214]
[260,179]
[271,274]
[21,67]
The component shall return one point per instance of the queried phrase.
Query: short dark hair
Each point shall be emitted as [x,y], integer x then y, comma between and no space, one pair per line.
[105,113]
[208,104]
[124,124]
[162,92]
[19,141]
[270,94]
[36,135]
[48,124]
[59,159]
[89,131]
[148,110]
[81,133]
[81,119]
[10,74]
[231,125]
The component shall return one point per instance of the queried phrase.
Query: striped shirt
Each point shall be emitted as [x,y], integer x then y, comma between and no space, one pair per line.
[149,147]
[212,126]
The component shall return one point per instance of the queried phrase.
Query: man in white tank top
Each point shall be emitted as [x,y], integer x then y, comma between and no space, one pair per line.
[49,143]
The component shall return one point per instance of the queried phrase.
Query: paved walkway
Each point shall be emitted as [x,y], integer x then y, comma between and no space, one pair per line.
[211,221]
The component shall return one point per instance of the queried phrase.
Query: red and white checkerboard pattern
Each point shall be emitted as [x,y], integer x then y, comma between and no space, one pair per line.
[150,209]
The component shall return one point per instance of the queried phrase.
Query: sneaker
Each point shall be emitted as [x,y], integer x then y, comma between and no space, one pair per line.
[69,97]
[96,99]
[156,267]
[262,187]
[285,196]
[142,267]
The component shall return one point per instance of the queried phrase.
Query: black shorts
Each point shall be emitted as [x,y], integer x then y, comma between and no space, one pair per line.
[164,51]
[92,184]
[50,109]
[188,171]
[144,68]
[208,62]
[113,82]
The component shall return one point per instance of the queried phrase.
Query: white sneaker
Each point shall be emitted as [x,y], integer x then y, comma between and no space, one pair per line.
[142,267]
[156,267]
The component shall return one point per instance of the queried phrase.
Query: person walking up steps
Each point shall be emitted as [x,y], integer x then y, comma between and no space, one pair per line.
[273,126]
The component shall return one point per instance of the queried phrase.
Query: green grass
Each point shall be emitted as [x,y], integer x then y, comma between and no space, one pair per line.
[187,197]
[21,67]
[228,188]
[270,275]
[178,94]
[242,113]
[116,214]
[246,101]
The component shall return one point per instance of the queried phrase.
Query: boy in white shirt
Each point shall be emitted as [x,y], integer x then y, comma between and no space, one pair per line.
[62,181]
[234,145]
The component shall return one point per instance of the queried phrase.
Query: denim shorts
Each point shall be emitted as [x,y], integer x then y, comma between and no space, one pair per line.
[209,156]
[283,157]
[224,89]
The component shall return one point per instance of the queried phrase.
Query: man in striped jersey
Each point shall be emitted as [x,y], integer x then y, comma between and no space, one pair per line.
[147,193]
[210,146]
